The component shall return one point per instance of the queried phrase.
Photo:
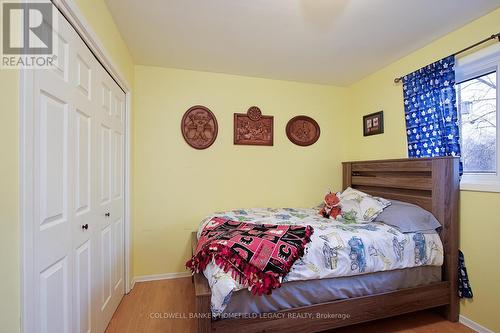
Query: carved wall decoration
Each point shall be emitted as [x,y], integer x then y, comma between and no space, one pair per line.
[302,130]
[199,127]
[252,128]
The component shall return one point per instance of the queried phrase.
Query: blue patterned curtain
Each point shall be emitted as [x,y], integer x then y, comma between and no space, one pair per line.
[431,112]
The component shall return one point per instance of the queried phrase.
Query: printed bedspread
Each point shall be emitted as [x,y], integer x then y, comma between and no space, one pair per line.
[256,255]
[336,249]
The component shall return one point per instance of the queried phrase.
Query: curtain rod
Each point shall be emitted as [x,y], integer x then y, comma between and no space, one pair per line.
[495,36]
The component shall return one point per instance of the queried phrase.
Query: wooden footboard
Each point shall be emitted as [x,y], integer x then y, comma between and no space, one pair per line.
[320,317]
[203,296]
[429,183]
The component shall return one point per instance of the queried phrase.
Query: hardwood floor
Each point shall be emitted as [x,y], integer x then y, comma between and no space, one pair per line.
[164,306]
[145,308]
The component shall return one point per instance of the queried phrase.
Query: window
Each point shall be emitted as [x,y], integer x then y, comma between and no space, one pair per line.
[478,104]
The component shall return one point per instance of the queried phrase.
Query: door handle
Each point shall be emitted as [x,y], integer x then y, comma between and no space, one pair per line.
[85,226]
[107,214]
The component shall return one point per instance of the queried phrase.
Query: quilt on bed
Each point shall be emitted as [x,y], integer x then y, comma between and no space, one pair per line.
[336,249]
[256,255]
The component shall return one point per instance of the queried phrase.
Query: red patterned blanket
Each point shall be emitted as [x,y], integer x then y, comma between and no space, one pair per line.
[257,255]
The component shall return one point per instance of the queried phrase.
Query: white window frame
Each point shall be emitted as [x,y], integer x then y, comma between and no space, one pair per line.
[473,65]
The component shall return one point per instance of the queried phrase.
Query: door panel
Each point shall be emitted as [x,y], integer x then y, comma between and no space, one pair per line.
[118,111]
[62,59]
[105,164]
[83,69]
[53,198]
[84,75]
[53,160]
[83,288]
[118,255]
[111,180]
[106,99]
[78,246]
[106,264]
[117,165]
[55,298]
[83,160]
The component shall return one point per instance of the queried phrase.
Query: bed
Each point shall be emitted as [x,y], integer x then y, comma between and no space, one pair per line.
[432,184]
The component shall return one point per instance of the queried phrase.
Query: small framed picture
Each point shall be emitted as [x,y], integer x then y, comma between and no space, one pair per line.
[373,123]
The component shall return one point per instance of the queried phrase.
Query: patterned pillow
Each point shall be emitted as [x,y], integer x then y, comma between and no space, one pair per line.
[360,207]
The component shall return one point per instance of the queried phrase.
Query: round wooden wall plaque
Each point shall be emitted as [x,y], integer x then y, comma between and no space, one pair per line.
[302,130]
[199,127]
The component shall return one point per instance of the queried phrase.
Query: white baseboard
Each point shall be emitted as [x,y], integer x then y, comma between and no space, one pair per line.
[472,324]
[155,277]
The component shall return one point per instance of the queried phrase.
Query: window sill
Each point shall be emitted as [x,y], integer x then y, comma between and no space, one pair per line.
[491,186]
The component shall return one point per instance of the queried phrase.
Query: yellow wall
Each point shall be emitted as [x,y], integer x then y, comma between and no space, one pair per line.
[175,186]
[479,217]
[101,21]
[9,203]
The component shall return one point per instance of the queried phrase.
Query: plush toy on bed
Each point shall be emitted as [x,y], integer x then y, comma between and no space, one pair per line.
[332,206]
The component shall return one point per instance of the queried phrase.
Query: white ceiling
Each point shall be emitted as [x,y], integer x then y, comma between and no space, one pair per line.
[322,41]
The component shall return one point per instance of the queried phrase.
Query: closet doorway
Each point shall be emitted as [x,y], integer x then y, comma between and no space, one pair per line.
[74,191]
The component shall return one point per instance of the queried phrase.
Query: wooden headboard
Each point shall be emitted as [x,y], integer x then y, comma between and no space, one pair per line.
[432,183]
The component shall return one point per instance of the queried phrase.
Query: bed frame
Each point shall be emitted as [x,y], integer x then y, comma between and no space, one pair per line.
[431,183]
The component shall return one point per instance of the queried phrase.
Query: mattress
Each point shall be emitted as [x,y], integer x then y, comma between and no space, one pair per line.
[336,250]
[304,293]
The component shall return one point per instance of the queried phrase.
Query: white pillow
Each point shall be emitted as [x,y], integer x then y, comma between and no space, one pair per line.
[360,207]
